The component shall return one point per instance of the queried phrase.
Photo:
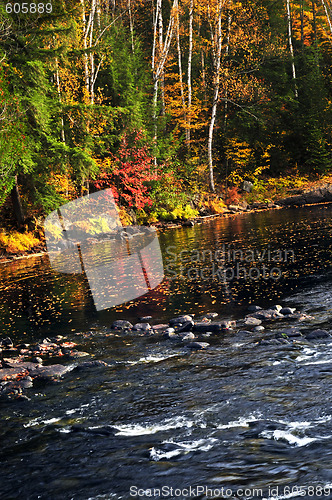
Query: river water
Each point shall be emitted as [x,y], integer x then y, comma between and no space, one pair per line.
[239,420]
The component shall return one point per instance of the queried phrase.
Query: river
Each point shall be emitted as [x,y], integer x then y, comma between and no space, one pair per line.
[242,419]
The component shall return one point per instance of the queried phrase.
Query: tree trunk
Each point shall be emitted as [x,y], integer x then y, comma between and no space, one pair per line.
[217,60]
[161,49]
[190,50]
[17,205]
[327,15]
[290,42]
[226,55]
[180,63]
[158,65]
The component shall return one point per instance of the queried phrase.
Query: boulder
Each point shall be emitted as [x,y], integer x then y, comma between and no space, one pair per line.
[121,324]
[214,327]
[266,314]
[184,327]
[142,327]
[247,186]
[51,372]
[317,334]
[249,321]
[287,310]
[180,320]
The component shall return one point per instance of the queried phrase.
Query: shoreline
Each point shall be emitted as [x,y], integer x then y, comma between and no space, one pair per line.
[160,226]
[164,226]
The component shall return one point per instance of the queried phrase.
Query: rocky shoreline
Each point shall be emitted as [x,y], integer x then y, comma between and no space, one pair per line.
[23,364]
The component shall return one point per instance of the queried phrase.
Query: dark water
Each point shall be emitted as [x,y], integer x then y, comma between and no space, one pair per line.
[237,416]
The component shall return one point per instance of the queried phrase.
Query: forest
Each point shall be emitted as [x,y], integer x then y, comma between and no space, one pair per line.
[171,103]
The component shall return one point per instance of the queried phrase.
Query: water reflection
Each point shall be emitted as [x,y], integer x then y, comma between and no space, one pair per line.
[37,300]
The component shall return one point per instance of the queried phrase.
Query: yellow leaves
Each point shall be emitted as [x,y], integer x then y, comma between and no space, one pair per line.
[63,185]
[17,242]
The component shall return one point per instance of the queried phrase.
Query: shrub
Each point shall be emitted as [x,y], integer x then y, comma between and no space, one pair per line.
[16,242]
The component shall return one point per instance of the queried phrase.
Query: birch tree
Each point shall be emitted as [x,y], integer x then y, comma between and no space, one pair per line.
[290,43]
[190,51]
[159,54]
[216,35]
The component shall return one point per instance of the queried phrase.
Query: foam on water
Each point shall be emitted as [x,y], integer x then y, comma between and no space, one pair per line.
[241,421]
[140,430]
[39,421]
[183,447]
[287,436]
[149,359]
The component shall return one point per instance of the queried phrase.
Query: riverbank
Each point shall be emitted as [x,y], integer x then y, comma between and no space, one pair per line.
[15,245]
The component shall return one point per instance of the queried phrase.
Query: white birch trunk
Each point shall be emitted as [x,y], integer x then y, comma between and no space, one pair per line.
[190,50]
[86,60]
[327,15]
[290,42]
[217,61]
[131,26]
[158,66]
[161,48]
[180,62]
[226,54]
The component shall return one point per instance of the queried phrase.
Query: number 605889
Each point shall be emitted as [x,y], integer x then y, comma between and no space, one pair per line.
[28,8]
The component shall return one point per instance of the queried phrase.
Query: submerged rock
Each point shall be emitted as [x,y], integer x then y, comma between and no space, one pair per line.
[145,319]
[7,342]
[258,328]
[211,315]
[317,334]
[198,345]
[253,308]
[188,337]
[96,363]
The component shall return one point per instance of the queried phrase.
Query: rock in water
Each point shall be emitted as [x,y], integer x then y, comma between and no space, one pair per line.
[180,319]
[317,334]
[142,327]
[287,310]
[185,327]
[121,324]
[252,321]
[198,345]
[253,308]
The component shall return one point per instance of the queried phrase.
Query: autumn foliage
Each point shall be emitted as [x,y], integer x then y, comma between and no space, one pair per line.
[129,172]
